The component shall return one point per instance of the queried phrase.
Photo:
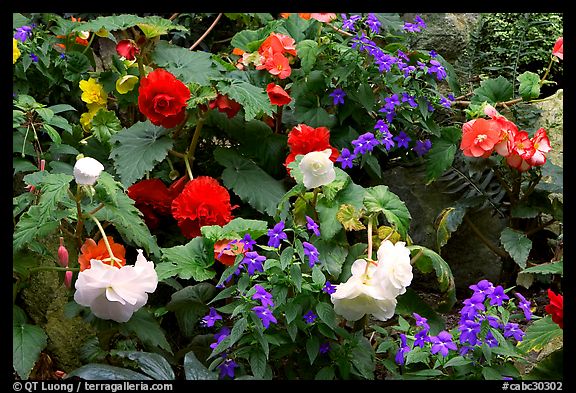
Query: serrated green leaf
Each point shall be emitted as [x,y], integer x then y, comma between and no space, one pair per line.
[416,355]
[257,362]
[551,368]
[253,99]
[349,217]
[362,358]
[439,159]
[33,224]
[380,199]
[153,364]
[296,276]
[249,181]
[155,26]
[188,66]
[235,229]
[191,260]
[332,255]
[529,85]
[307,51]
[107,189]
[152,26]
[493,91]
[327,315]
[105,372]
[27,343]
[137,150]
[547,268]
[148,329]
[539,334]
[105,124]
[517,244]
[196,371]
[250,40]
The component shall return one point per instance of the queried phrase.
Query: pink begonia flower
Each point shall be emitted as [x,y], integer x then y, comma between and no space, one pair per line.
[323,16]
[558,49]
[317,168]
[87,170]
[362,295]
[116,293]
[542,146]
[394,271]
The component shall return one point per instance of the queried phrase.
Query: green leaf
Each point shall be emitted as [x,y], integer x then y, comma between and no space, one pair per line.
[127,220]
[153,364]
[250,40]
[529,85]
[52,133]
[235,335]
[439,159]
[550,368]
[249,181]
[104,372]
[189,305]
[517,244]
[196,371]
[493,91]
[362,357]
[307,51]
[137,150]
[417,356]
[188,66]
[380,199]
[108,189]
[154,26]
[27,343]
[235,229]
[447,223]
[365,96]
[296,276]
[332,256]
[327,315]
[547,268]
[539,334]
[148,330]
[105,124]
[253,99]
[308,111]
[151,26]
[312,348]
[491,374]
[257,362]
[457,361]
[325,374]
[191,260]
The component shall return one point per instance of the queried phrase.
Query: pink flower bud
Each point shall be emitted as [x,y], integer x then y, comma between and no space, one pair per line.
[62,254]
[68,279]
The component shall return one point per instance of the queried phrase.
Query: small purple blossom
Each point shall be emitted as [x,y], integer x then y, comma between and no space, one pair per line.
[262,295]
[472,306]
[445,102]
[469,332]
[265,315]
[346,159]
[227,368]
[365,143]
[421,338]
[253,262]
[248,242]
[373,23]
[421,321]
[312,226]
[338,96]
[382,127]
[409,99]
[513,330]
[442,343]
[490,340]
[276,235]
[483,287]
[404,348]
[436,68]
[210,319]
[388,142]
[433,53]
[310,317]
[22,33]
[324,347]
[402,139]
[497,296]
[329,288]
[524,305]
[221,335]
[422,147]
[311,252]
[349,23]
[34,57]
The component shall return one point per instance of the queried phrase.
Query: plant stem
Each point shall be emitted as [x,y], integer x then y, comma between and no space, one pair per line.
[498,251]
[56,268]
[206,32]
[189,157]
[113,259]
[547,71]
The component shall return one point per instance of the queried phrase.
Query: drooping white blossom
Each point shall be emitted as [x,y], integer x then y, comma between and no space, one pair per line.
[394,271]
[116,293]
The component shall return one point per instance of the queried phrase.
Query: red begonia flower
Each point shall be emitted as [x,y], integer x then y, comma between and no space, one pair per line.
[556,308]
[278,65]
[304,139]
[277,95]
[153,199]
[162,98]
[225,254]
[127,49]
[508,131]
[225,105]
[277,43]
[479,136]
[522,151]
[558,49]
[90,250]
[203,201]
[541,145]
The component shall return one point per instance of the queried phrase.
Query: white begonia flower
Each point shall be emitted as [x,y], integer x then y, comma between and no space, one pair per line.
[362,295]
[87,170]
[394,271]
[116,293]
[317,168]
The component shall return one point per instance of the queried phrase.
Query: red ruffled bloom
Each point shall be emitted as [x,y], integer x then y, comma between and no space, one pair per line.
[153,199]
[162,98]
[203,201]
[304,139]
[556,308]
[558,49]
[127,49]
[225,105]
[277,95]
[479,136]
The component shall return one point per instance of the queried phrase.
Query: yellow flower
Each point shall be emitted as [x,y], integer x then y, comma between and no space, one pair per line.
[86,118]
[102,33]
[15,51]
[93,92]
[126,83]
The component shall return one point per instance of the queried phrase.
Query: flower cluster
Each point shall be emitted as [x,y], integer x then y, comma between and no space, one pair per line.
[481,137]
[304,139]
[374,286]
[274,55]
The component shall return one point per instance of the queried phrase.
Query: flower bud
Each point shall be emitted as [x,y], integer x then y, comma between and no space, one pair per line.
[87,170]
[62,254]
[68,279]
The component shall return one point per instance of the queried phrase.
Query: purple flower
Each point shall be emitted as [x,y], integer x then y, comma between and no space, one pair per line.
[346,159]
[442,343]
[324,347]
[349,23]
[445,102]
[22,33]
[402,139]
[524,305]
[265,315]
[227,368]
[329,288]
[253,262]
[365,143]
[404,348]
[388,142]
[382,127]
[422,147]
[409,99]
[421,321]
[483,287]
[221,335]
[415,27]
[311,252]
[464,349]
[420,22]
[310,317]
[433,53]
[473,305]
[491,340]
[373,23]
[512,330]
[62,55]
[437,68]
[421,338]
[338,96]
[311,225]
[210,319]
[469,332]
[227,247]
[264,297]
[497,296]
[34,57]
[276,235]
[248,242]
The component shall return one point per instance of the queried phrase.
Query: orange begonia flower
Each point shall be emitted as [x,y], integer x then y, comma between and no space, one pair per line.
[479,136]
[90,250]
